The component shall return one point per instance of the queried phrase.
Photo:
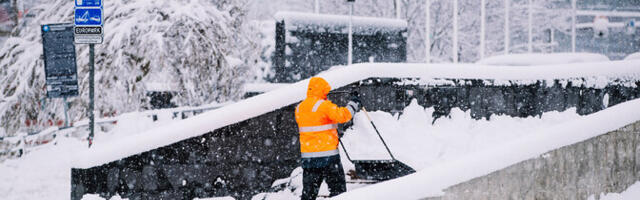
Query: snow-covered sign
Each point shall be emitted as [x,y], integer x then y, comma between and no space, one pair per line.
[59,60]
[88,19]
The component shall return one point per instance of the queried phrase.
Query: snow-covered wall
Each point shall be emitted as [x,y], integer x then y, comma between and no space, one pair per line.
[590,75]
[604,164]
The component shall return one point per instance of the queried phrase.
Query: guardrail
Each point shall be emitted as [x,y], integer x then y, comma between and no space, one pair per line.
[16,146]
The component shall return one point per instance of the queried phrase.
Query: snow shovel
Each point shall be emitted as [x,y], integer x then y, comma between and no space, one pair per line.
[378,170]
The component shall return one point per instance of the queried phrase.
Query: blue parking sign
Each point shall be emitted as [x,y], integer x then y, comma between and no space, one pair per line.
[88,3]
[88,17]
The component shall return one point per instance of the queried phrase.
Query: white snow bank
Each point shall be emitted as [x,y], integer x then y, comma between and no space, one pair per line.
[631,193]
[44,172]
[262,87]
[339,23]
[338,77]
[431,181]
[633,56]
[41,174]
[531,59]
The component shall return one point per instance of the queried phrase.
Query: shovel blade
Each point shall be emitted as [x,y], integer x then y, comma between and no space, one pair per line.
[381,170]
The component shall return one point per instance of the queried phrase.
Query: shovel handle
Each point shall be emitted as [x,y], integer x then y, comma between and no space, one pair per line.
[378,132]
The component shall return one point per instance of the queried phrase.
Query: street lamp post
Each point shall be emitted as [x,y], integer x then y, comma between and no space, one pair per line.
[350,56]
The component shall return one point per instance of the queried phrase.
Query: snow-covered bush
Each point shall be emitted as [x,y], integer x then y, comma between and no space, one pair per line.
[202,49]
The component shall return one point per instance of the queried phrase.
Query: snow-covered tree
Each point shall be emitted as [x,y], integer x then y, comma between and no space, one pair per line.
[202,50]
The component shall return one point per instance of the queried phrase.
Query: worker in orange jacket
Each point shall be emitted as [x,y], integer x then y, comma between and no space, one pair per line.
[318,120]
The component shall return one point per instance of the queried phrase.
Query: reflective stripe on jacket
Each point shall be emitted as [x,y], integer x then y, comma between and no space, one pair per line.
[318,120]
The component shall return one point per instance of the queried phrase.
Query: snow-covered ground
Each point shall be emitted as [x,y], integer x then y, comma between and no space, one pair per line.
[45,172]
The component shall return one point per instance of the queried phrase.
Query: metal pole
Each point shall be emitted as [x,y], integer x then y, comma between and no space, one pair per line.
[455,31]
[506,26]
[483,23]
[317,6]
[398,9]
[350,34]
[530,47]
[91,94]
[427,43]
[573,26]
[66,114]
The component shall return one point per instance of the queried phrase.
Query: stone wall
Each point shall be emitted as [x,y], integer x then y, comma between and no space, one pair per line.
[605,164]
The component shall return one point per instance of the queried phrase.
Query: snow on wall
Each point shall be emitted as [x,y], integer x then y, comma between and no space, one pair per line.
[338,77]
[295,21]
[542,59]
[430,181]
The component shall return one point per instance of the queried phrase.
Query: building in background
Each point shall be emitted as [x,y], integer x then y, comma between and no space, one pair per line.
[307,44]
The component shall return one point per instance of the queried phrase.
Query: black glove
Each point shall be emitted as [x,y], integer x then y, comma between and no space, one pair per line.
[355,97]
[354,104]
[344,128]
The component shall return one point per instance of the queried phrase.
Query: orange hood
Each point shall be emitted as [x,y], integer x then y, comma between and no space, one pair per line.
[318,88]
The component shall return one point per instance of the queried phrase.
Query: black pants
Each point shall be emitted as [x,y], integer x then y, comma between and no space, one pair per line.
[332,173]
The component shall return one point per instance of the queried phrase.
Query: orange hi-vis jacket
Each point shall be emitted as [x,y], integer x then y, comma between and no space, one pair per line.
[318,120]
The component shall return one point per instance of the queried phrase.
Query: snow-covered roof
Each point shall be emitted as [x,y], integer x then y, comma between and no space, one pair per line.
[296,21]
[338,77]
[431,181]
[529,59]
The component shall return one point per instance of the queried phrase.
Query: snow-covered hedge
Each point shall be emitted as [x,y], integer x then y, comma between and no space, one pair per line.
[201,48]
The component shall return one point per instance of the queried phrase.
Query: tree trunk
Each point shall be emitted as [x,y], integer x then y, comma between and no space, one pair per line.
[14,12]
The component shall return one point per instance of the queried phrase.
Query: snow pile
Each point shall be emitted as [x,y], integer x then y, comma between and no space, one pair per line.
[415,141]
[531,59]
[633,56]
[624,71]
[193,45]
[631,193]
[295,21]
[430,181]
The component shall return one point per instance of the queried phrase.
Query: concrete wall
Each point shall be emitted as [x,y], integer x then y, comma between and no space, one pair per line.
[604,164]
